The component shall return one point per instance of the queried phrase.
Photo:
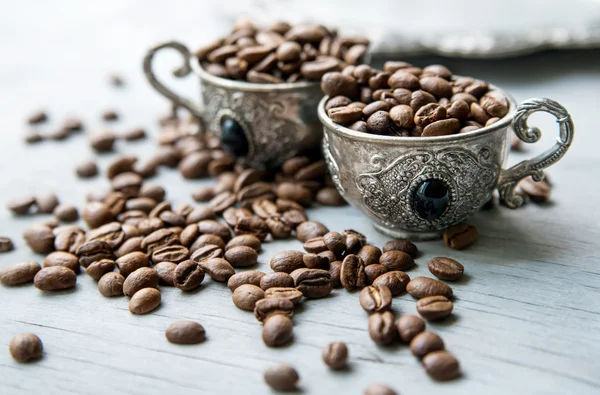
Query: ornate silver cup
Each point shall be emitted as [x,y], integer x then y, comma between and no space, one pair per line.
[416,187]
[264,124]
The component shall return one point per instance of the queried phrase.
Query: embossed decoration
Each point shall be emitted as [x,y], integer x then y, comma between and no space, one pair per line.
[390,191]
[332,165]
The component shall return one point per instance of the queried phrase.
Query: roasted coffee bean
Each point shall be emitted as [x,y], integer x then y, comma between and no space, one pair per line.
[420,98]
[441,365]
[19,273]
[241,256]
[252,277]
[55,278]
[396,260]
[291,294]
[429,114]
[294,192]
[194,165]
[310,229]
[69,239]
[382,329]
[25,347]
[373,271]
[130,245]
[153,191]
[39,238]
[233,214]
[378,389]
[134,134]
[128,183]
[369,254]
[129,263]
[402,115]
[46,202]
[144,301]
[62,258]
[214,228]
[315,245]
[441,128]
[244,240]
[380,123]
[460,236]
[352,274]
[102,141]
[329,196]
[460,110]
[401,245]
[165,272]
[313,283]
[159,238]
[111,284]
[36,117]
[420,287]
[337,84]
[141,203]
[143,277]
[334,242]
[396,281]
[218,269]
[96,214]
[122,164]
[222,202]
[278,229]
[265,208]
[185,332]
[110,115]
[200,214]
[437,86]
[188,275]
[150,225]
[373,299]
[203,194]
[115,202]
[479,114]
[445,268]
[66,213]
[252,225]
[495,104]
[281,377]
[402,79]
[338,101]
[189,234]
[287,261]
[172,253]
[205,240]
[87,169]
[409,326]
[294,217]
[99,268]
[277,330]
[111,233]
[246,295]
[536,191]
[314,261]
[335,355]
[277,279]
[94,250]
[434,308]
[316,69]
[426,342]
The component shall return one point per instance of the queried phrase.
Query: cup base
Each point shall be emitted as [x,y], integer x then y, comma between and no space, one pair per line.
[413,236]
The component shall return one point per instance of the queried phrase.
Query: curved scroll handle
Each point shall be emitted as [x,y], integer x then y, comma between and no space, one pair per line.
[509,178]
[184,70]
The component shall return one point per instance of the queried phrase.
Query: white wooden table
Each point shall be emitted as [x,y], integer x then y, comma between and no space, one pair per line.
[527,313]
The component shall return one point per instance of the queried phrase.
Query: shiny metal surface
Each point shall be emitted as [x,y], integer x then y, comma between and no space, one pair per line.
[279,120]
[380,175]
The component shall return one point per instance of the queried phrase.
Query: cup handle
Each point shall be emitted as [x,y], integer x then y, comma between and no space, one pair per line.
[509,178]
[182,71]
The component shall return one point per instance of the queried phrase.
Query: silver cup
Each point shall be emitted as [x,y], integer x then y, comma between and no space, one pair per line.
[264,124]
[415,187]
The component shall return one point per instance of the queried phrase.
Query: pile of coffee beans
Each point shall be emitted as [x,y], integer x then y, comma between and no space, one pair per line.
[408,101]
[280,53]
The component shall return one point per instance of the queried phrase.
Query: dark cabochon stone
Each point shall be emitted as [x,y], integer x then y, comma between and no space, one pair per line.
[431,199]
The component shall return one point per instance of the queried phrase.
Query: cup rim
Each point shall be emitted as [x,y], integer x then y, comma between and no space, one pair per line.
[352,134]
[247,86]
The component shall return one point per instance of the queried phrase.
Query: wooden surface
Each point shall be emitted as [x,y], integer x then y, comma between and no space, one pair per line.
[527,312]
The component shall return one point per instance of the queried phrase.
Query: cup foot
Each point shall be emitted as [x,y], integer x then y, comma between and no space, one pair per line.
[405,234]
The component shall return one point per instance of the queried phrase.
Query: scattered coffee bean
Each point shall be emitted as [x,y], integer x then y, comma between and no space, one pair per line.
[55,278]
[369,254]
[421,287]
[374,271]
[310,229]
[19,273]
[460,236]
[536,191]
[143,277]
[313,283]
[396,260]
[409,326]
[21,205]
[335,355]
[382,329]
[135,134]
[36,117]
[434,308]
[103,141]
[25,347]
[252,277]
[281,377]
[66,213]
[287,261]
[379,389]
[6,244]
[62,258]
[291,294]
[165,272]
[445,268]
[172,253]
[111,284]
[185,332]
[246,295]
[241,256]
[188,275]
[277,330]
[244,240]
[426,342]
[99,268]
[144,301]
[396,281]
[276,279]
[110,115]
[375,299]
[401,245]
[352,274]
[95,250]
[441,365]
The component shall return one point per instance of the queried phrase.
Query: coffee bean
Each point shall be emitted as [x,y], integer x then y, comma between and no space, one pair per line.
[99,268]
[373,271]
[429,114]
[69,239]
[396,260]
[20,205]
[172,253]
[144,301]
[315,245]
[329,196]
[378,389]
[334,242]
[374,299]
[291,294]
[200,214]
[337,101]
[36,117]
[314,261]
[159,238]
[6,244]
[130,245]
[441,365]
[111,284]
[287,261]
[437,86]
[459,109]
[246,295]
[396,281]
[402,115]
[153,191]
[46,202]
[420,287]
[382,329]
[269,306]
[188,275]
[426,342]
[442,128]
[102,141]
[445,268]
[62,258]
[337,84]
[401,245]
[335,355]
[241,256]
[369,254]
[218,269]
[143,277]
[165,272]
[495,104]
[185,332]
[54,278]
[96,214]
[380,123]
[313,283]
[252,225]
[316,69]
[19,273]
[265,208]
[434,308]
[94,250]
[277,279]
[335,271]
[409,326]
[129,263]
[352,273]
[420,98]
[294,192]
[252,277]
[281,377]
[277,330]
[111,233]
[25,347]
[536,191]
[460,236]
[203,194]
[39,238]
[215,228]
[66,213]
[310,229]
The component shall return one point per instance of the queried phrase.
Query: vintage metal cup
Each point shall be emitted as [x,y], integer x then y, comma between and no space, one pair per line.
[264,124]
[415,187]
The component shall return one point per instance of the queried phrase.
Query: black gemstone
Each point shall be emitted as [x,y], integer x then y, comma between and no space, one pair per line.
[431,199]
[233,138]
